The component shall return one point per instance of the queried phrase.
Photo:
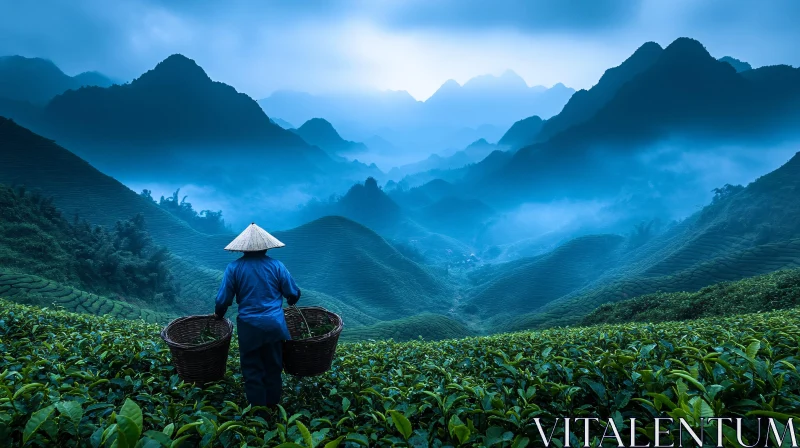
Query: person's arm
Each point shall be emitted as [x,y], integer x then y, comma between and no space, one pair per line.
[226,293]
[289,288]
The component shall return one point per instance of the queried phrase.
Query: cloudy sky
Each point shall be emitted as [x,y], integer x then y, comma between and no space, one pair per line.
[260,46]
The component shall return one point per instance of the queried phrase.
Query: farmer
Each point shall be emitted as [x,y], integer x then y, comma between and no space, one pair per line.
[259,284]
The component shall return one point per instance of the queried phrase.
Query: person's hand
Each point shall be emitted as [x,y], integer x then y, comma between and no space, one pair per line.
[292,300]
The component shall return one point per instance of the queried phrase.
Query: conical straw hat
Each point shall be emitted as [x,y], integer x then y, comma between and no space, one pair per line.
[253,239]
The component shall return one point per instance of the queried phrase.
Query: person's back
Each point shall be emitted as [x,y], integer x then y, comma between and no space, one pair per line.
[259,284]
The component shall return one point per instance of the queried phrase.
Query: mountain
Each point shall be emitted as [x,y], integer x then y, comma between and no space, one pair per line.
[282,123]
[319,132]
[336,261]
[774,291]
[497,100]
[364,203]
[174,103]
[740,66]
[474,152]
[744,232]
[37,80]
[174,123]
[685,95]
[522,133]
[452,117]
[530,283]
[584,104]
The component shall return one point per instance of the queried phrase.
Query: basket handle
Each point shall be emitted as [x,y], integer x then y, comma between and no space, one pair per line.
[302,317]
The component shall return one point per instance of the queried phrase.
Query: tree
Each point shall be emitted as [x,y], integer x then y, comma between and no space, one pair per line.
[725,192]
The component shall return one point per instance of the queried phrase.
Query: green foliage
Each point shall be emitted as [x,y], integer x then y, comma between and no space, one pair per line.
[77,380]
[206,221]
[33,290]
[728,190]
[779,290]
[35,238]
[427,326]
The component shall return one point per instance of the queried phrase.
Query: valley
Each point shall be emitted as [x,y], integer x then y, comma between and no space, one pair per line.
[519,215]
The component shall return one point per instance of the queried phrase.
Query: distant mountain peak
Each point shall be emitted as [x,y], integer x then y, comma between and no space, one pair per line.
[450,84]
[509,79]
[33,62]
[510,74]
[740,66]
[479,142]
[648,48]
[177,68]
[686,48]
[321,127]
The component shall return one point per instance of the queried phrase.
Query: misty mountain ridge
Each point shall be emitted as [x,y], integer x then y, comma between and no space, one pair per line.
[473,153]
[425,126]
[682,94]
[170,124]
[586,103]
[345,266]
[282,123]
[38,80]
[522,133]
[174,103]
[740,66]
[319,132]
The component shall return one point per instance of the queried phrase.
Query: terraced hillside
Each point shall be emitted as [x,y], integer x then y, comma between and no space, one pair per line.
[347,264]
[427,326]
[354,264]
[33,290]
[775,291]
[527,284]
[744,232]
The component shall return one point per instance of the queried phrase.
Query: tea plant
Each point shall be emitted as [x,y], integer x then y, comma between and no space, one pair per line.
[78,380]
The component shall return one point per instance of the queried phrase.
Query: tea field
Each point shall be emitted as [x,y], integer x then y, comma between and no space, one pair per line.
[79,380]
[32,289]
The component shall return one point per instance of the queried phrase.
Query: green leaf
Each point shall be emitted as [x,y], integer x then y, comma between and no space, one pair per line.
[520,442]
[305,433]
[752,349]
[691,380]
[188,426]
[72,410]
[179,441]
[345,404]
[290,445]
[494,435]
[772,414]
[228,425]
[25,388]
[35,422]
[334,443]
[128,432]
[157,436]
[146,442]
[132,411]
[358,438]
[401,423]
[462,433]
[169,429]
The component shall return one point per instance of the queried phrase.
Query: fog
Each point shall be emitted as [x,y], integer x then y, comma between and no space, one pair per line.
[666,182]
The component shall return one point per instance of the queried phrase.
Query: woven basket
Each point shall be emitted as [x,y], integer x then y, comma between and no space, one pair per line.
[199,364]
[312,356]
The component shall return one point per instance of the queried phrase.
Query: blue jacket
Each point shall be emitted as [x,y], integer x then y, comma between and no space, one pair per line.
[259,284]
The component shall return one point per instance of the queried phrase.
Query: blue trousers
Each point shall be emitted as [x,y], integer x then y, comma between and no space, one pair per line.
[262,363]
